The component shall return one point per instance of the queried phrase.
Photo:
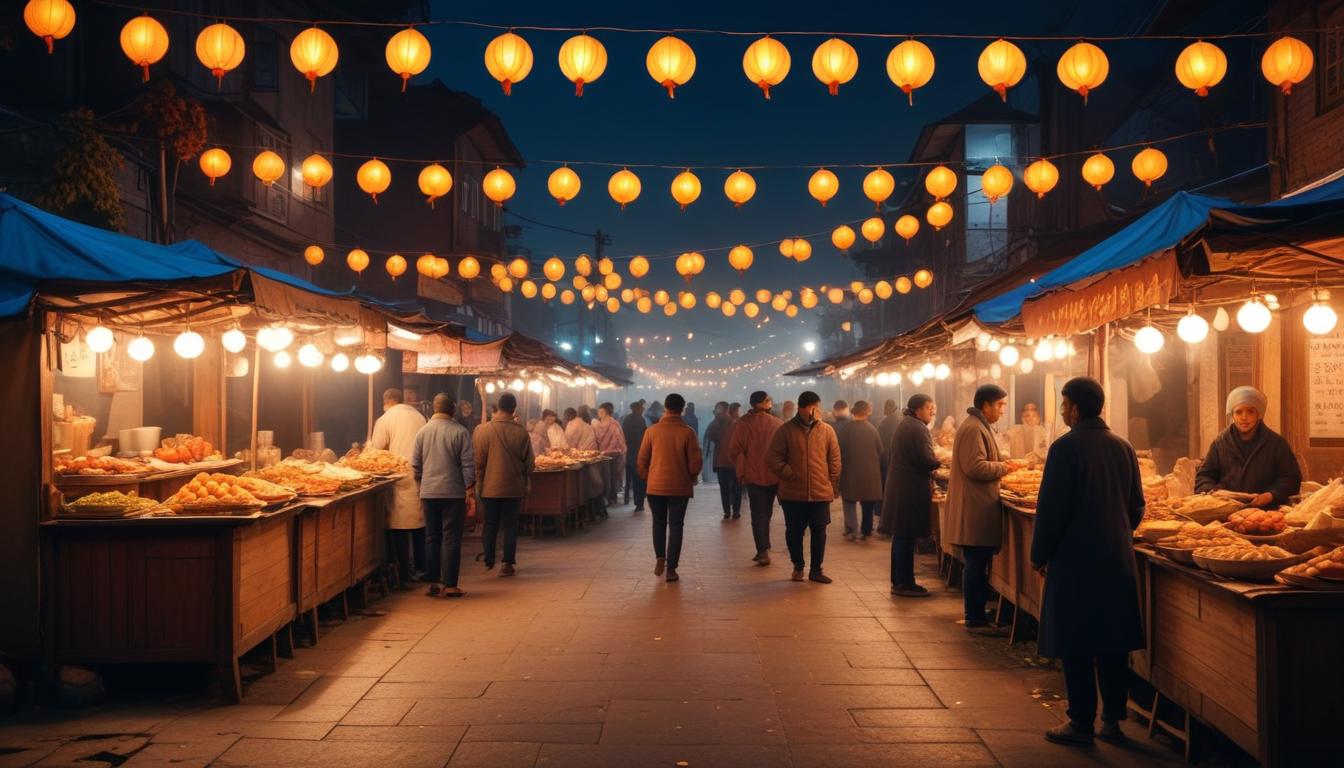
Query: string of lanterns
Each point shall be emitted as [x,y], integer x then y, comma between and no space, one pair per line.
[671,62]
[726,371]
[1040,175]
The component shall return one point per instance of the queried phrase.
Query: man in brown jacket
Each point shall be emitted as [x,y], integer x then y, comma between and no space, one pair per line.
[746,450]
[503,470]
[669,463]
[805,455]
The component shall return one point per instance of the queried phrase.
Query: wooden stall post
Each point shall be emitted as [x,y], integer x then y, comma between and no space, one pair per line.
[369,434]
[256,389]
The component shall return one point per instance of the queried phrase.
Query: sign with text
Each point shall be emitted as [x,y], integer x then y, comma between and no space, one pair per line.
[1325,386]
[1119,294]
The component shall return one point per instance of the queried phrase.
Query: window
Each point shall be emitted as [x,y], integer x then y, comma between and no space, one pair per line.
[264,53]
[1332,62]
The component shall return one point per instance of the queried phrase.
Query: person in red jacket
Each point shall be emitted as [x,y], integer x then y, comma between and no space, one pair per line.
[746,450]
[669,462]
[805,455]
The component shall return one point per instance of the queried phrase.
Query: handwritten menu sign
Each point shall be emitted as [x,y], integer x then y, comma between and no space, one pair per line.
[1325,386]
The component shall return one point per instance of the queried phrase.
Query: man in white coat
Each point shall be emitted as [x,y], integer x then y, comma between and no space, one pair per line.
[395,431]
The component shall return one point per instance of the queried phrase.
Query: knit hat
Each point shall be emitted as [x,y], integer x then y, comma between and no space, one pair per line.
[1247,396]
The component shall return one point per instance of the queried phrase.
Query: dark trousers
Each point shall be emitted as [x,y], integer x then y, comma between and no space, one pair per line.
[634,484]
[669,516]
[401,543]
[1082,677]
[730,491]
[852,518]
[975,581]
[444,520]
[501,514]
[761,499]
[799,518]
[613,478]
[902,561]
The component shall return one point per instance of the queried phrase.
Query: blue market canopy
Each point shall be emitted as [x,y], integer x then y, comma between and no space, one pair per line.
[1161,228]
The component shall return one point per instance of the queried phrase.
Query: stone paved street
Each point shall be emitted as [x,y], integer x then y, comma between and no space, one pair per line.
[586,659]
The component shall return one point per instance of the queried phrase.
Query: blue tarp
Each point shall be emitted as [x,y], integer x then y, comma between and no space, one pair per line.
[36,246]
[1159,229]
[1330,192]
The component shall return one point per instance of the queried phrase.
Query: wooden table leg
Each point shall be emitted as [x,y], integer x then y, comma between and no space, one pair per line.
[231,681]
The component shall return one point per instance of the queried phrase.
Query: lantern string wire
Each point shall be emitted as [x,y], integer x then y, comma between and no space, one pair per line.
[471,24]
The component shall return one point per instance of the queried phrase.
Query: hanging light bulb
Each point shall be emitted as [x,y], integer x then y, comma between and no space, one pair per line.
[1192,328]
[1027,365]
[994,345]
[1061,349]
[189,345]
[310,356]
[1043,351]
[368,364]
[274,338]
[282,359]
[340,362]
[140,349]
[1009,355]
[99,339]
[233,341]
[927,370]
[1149,340]
[1253,316]
[916,378]
[1320,317]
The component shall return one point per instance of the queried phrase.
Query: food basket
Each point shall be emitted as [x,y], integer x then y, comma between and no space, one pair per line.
[1307,582]
[1247,570]
[217,509]
[1152,533]
[1177,554]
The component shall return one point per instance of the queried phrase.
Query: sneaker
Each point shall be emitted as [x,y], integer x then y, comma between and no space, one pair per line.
[1110,733]
[1068,733]
[797,574]
[764,559]
[434,590]
[506,570]
[913,590]
[658,567]
[819,577]
[453,592]
[672,575]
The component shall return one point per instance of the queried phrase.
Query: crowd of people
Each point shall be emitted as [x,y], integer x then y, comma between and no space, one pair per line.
[1090,500]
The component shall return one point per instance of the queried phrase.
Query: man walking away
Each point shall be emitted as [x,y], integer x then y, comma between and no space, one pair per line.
[611,442]
[746,449]
[444,464]
[886,429]
[725,468]
[669,461]
[1091,501]
[503,452]
[712,443]
[634,426]
[974,515]
[395,431]
[805,455]
[907,501]
[861,460]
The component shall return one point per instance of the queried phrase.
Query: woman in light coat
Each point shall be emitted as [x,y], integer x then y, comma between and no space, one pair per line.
[395,431]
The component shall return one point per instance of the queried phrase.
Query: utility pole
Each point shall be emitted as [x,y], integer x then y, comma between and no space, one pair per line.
[600,242]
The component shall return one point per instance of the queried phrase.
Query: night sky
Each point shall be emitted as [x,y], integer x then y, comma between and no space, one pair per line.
[719,118]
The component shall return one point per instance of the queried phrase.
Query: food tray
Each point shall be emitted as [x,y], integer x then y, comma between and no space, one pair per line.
[1307,582]
[1177,554]
[103,511]
[1152,535]
[216,509]
[1261,539]
[1248,570]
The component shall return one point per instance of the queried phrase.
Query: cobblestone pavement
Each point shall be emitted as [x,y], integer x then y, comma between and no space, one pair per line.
[587,659]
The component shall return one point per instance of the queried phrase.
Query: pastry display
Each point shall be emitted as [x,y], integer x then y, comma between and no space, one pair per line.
[1203,508]
[1192,536]
[1328,566]
[271,493]
[1257,522]
[1244,553]
[98,465]
[186,449]
[109,504]
[1022,482]
[376,461]
[565,458]
[210,493]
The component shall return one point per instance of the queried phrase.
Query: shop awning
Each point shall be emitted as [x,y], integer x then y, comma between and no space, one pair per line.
[1161,228]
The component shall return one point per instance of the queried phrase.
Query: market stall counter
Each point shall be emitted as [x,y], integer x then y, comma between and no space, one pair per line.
[202,588]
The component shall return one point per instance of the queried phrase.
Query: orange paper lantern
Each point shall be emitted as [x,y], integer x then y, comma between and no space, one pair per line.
[144,41]
[407,54]
[221,49]
[508,59]
[314,54]
[434,181]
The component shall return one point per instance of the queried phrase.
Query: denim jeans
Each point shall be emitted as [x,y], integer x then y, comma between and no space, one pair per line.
[730,490]
[634,484]
[669,516]
[501,513]
[444,521]
[761,499]
[975,581]
[799,518]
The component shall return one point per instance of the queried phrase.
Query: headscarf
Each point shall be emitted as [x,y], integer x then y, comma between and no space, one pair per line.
[1247,396]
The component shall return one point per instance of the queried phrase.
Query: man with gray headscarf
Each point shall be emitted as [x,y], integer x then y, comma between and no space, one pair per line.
[1249,457]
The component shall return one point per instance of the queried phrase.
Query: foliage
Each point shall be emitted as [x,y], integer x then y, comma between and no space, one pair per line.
[83,185]
[178,123]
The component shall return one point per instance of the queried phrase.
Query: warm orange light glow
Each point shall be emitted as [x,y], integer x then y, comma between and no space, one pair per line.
[823,185]
[314,54]
[739,187]
[766,63]
[741,258]
[374,177]
[1201,66]
[1149,165]
[583,60]
[842,237]
[563,184]
[408,54]
[623,187]
[1041,177]
[1083,68]
[910,65]
[268,167]
[907,227]
[435,181]
[1286,63]
[316,171]
[50,20]
[685,188]
[508,59]
[221,49]
[1001,65]
[499,186]
[1098,170]
[144,41]
[835,63]
[671,63]
[215,163]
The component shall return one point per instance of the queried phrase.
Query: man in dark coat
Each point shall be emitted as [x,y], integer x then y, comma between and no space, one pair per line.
[886,429]
[861,461]
[1091,501]
[634,426]
[1249,457]
[907,501]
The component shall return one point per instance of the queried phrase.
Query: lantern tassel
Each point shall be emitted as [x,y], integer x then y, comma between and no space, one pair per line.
[909,93]
[1002,90]
[1201,91]
[833,87]
[145,76]
[671,89]
[212,181]
[51,44]
[1082,89]
[312,82]
[1287,88]
[578,87]
[765,87]
[430,200]
[507,85]
[561,201]
[405,78]
[374,195]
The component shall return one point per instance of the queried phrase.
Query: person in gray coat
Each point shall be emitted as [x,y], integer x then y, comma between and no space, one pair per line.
[907,501]
[974,514]
[1091,501]
[861,462]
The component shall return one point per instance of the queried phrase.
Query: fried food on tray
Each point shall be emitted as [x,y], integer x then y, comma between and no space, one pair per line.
[377,461]
[211,490]
[98,465]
